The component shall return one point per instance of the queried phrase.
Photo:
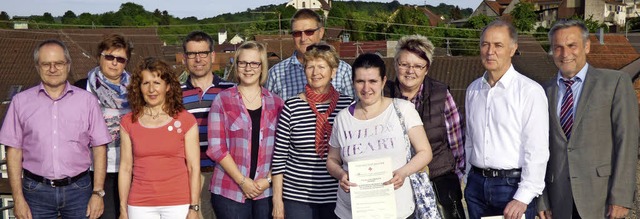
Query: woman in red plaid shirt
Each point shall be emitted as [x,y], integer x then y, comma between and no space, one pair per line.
[242,124]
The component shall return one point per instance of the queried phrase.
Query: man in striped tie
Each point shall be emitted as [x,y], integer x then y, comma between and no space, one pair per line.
[593,134]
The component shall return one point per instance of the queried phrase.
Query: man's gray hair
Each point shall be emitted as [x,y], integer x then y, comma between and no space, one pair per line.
[36,51]
[513,33]
[562,24]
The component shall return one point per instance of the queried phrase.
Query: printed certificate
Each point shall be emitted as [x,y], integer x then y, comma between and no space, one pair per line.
[370,198]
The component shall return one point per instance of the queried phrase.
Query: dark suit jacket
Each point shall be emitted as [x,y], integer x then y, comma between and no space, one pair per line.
[597,166]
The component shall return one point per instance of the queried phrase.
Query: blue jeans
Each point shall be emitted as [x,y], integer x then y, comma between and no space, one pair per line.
[295,209]
[47,202]
[487,196]
[250,209]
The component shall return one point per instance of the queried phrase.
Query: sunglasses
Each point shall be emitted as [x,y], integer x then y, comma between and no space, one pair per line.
[112,57]
[319,47]
[309,32]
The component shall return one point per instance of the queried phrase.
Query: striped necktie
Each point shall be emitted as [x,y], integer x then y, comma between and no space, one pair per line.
[566,111]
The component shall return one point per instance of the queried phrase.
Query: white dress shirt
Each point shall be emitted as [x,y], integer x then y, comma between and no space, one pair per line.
[508,128]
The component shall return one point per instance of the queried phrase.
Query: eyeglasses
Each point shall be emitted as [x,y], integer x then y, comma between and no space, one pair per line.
[112,57]
[309,32]
[320,47]
[253,65]
[201,54]
[47,65]
[407,66]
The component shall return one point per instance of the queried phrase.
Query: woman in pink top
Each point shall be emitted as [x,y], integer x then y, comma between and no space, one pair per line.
[159,173]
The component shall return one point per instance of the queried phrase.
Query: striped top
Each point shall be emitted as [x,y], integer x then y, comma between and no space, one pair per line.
[306,178]
[198,103]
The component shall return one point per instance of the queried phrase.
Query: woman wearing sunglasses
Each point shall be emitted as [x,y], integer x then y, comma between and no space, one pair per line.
[302,186]
[109,81]
[242,127]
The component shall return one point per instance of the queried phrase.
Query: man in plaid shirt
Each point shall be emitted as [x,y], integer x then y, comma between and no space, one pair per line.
[287,78]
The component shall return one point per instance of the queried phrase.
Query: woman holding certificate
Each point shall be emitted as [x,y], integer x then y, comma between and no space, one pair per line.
[302,187]
[371,129]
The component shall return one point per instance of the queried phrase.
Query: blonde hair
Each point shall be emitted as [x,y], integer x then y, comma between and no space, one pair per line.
[322,51]
[264,65]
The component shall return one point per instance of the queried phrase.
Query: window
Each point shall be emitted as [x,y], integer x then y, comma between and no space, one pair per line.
[304,5]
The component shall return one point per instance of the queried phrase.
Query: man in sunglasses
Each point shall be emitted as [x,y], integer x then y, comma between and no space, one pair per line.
[52,131]
[198,91]
[287,78]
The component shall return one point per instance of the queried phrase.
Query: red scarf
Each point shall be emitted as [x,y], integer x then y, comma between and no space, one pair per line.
[323,127]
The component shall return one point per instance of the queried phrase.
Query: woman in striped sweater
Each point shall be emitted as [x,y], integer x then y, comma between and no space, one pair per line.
[302,187]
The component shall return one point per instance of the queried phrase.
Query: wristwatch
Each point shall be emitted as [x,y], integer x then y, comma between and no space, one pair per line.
[99,193]
[269,179]
[194,207]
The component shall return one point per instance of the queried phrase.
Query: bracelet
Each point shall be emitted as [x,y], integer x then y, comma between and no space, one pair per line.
[242,183]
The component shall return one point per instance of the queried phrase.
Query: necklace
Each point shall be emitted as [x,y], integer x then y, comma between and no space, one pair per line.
[150,113]
[249,99]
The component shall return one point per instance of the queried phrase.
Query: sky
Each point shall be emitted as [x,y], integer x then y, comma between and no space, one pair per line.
[179,8]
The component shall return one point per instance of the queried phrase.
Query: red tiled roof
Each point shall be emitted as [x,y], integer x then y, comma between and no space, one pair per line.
[16,52]
[274,44]
[616,52]
[504,2]
[434,19]
[333,33]
[527,44]
[495,6]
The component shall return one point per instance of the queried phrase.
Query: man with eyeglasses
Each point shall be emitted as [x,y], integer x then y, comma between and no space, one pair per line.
[198,92]
[287,78]
[51,132]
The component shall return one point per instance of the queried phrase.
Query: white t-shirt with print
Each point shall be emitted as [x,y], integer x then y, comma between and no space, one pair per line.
[378,137]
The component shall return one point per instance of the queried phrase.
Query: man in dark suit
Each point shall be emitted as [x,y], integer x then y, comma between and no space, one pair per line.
[593,134]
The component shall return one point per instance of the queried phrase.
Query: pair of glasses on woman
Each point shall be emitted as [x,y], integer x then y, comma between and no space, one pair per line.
[109,57]
[252,65]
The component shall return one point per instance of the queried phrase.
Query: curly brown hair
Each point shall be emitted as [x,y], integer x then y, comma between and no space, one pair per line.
[173,102]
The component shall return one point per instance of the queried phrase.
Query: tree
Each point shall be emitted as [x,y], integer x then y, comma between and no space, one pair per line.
[479,21]
[4,16]
[47,18]
[4,20]
[408,16]
[524,16]
[456,14]
[69,17]
[132,9]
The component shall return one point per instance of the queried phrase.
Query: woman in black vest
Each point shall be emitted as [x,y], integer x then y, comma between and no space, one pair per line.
[414,56]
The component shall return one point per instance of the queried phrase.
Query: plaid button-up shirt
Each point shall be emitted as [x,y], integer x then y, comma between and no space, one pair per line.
[229,133]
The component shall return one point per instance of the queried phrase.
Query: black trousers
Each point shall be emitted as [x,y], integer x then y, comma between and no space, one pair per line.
[449,195]
[111,197]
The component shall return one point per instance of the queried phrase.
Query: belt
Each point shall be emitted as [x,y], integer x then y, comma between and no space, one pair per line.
[492,173]
[55,182]
[207,169]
